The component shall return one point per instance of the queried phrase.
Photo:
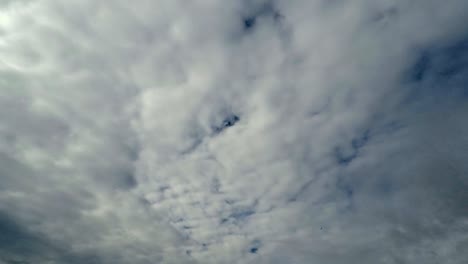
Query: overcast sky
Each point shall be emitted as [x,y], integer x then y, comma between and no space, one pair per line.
[234,132]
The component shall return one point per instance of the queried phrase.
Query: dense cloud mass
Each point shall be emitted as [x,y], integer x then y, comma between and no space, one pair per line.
[247,131]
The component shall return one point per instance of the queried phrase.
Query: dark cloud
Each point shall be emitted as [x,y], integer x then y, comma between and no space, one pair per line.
[20,245]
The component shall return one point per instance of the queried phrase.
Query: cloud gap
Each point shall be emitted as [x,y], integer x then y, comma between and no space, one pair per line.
[265,10]
[227,122]
[344,155]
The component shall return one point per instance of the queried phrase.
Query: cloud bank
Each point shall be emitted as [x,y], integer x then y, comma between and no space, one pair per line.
[248,131]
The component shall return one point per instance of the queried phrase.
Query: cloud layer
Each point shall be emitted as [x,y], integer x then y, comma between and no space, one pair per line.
[246,131]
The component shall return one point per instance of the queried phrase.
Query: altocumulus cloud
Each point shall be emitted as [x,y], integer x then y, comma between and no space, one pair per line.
[248,131]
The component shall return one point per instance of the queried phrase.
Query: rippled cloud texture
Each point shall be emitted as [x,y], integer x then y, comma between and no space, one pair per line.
[210,131]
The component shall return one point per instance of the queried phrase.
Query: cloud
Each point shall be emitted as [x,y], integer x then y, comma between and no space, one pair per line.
[233,132]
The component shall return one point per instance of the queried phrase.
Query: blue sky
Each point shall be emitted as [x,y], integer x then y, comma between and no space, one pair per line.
[248,131]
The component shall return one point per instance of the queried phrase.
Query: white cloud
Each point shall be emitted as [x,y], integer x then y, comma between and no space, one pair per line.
[233,132]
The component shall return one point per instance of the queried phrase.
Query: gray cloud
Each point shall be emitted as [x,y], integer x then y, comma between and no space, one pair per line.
[233,132]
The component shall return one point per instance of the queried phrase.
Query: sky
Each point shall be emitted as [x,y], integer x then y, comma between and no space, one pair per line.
[233,132]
